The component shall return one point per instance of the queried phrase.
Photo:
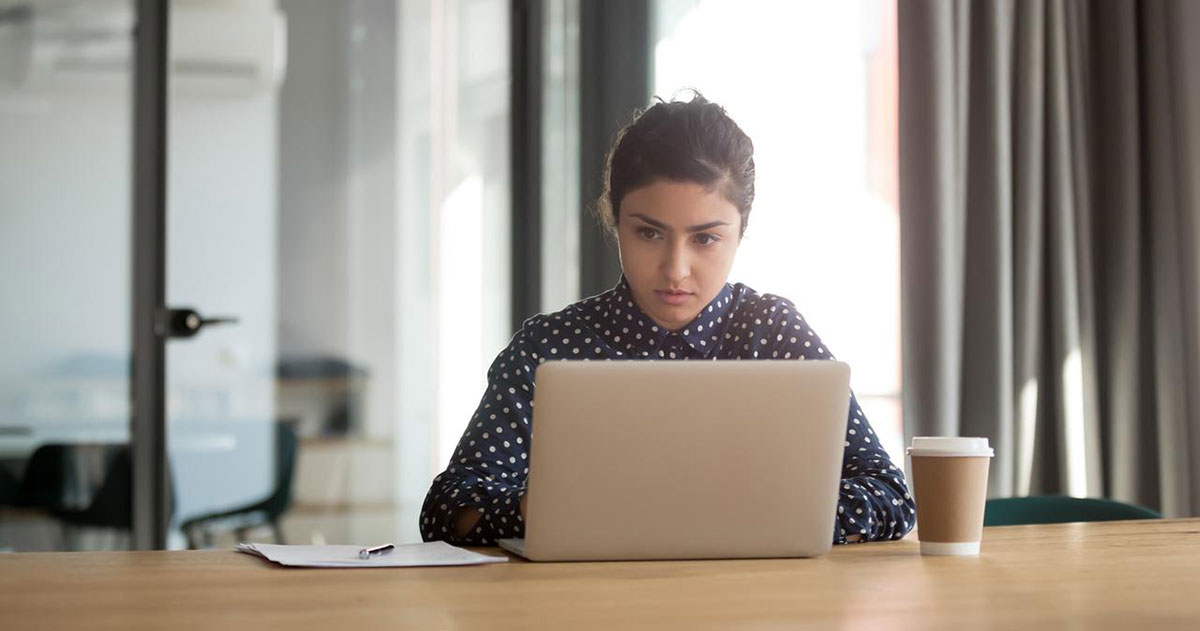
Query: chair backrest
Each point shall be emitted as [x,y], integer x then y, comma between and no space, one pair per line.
[285,466]
[48,474]
[10,488]
[1055,509]
[112,505]
[45,477]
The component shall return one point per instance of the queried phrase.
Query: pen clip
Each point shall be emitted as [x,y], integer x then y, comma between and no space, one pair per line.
[367,553]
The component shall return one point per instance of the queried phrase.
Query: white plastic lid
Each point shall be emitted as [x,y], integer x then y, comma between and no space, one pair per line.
[950,446]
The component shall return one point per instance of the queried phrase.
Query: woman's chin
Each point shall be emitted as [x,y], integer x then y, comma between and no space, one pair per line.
[673,318]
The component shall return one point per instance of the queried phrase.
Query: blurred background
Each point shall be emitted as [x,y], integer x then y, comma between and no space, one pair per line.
[345,181]
[367,197]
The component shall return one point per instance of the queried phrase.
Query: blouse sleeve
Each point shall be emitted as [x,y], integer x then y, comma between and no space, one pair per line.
[873,501]
[488,470]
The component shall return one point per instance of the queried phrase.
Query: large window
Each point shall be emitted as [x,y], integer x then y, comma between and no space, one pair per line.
[814,85]
[560,211]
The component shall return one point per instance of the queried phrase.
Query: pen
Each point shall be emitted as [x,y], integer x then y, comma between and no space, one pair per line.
[367,553]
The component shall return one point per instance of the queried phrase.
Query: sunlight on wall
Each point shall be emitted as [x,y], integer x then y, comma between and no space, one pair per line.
[460,301]
[811,84]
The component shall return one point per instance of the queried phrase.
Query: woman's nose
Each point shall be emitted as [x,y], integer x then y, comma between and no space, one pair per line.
[675,265]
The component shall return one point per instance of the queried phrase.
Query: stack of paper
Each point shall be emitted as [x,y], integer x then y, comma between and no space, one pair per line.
[410,555]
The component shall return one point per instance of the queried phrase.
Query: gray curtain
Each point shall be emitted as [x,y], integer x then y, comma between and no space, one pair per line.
[1050,223]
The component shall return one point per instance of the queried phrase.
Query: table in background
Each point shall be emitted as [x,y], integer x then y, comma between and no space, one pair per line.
[1143,574]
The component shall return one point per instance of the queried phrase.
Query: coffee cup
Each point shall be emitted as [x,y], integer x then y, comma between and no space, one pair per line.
[949,477]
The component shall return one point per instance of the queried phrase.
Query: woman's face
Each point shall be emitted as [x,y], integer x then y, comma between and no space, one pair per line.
[677,241]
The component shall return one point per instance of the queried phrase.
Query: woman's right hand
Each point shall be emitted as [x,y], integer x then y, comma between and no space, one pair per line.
[468,518]
[465,521]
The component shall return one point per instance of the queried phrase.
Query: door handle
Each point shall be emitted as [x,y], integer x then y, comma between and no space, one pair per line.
[186,322]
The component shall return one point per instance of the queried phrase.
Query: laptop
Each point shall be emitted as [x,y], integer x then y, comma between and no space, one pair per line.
[641,460]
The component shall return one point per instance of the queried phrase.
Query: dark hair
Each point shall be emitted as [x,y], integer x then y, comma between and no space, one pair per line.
[681,141]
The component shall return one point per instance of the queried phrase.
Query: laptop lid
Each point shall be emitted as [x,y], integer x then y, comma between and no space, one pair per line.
[685,459]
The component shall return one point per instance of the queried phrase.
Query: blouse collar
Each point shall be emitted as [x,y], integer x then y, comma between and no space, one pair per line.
[631,331]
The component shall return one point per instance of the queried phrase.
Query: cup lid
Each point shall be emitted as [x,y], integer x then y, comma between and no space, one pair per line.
[950,446]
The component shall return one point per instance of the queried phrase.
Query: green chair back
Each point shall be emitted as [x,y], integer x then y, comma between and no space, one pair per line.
[1057,509]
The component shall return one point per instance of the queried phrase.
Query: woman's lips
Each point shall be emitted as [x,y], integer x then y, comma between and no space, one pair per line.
[674,298]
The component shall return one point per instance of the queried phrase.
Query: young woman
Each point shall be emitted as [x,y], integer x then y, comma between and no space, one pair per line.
[678,191]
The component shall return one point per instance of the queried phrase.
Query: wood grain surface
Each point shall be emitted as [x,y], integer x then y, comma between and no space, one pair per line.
[1120,575]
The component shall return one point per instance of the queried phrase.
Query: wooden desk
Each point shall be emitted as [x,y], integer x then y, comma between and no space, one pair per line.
[1125,575]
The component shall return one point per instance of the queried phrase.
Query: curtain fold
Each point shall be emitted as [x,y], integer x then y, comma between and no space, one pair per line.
[1049,216]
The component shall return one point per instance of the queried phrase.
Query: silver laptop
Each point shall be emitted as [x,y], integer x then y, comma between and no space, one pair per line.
[684,460]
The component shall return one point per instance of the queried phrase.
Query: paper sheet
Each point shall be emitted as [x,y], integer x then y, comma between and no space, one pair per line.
[408,555]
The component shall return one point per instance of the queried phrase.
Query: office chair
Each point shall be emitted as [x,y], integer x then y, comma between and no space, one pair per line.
[199,530]
[9,488]
[47,485]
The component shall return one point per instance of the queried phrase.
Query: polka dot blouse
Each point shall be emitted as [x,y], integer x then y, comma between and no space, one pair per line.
[488,470]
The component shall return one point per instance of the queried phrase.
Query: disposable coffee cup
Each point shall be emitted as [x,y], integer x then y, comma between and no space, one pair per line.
[949,476]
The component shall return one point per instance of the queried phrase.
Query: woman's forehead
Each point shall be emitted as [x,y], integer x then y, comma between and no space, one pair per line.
[679,204]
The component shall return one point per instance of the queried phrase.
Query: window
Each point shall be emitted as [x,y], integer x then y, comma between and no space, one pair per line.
[814,85]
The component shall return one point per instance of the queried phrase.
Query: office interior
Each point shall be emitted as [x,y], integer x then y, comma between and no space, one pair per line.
[364,199]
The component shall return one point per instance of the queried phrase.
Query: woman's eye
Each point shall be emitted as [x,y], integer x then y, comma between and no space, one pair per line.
[647,233]
[706,239]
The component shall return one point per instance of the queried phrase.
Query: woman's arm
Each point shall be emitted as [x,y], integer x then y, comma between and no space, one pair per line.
[477,499]
[873,501]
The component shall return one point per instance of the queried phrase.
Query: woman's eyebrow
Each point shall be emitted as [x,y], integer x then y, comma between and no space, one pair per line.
[700,228]
[707,226]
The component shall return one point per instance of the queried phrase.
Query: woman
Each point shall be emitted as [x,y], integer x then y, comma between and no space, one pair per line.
[678,191]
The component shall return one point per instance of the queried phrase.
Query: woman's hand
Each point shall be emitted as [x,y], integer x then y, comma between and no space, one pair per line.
[465,521]
[468,518]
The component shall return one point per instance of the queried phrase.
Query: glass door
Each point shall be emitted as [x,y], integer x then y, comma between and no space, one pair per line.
[227,64]
[338,196]
[65,216]
[335,251]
